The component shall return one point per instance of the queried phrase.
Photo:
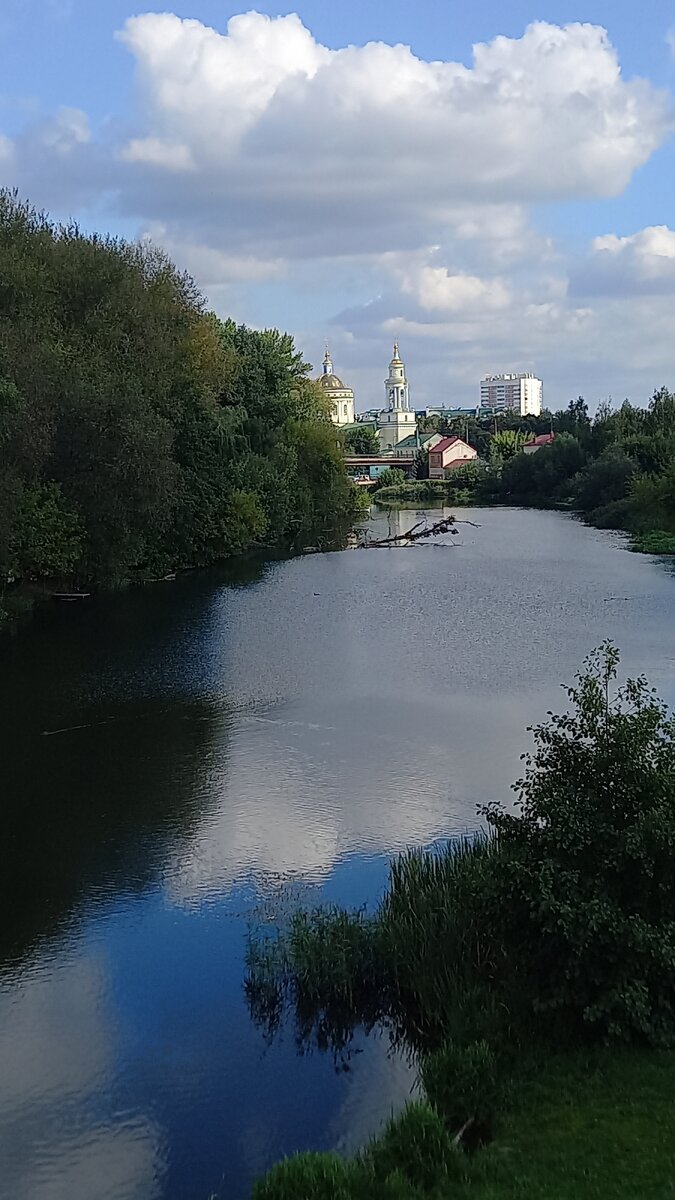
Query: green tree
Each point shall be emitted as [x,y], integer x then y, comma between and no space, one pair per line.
[589,859]
[362,440]
[47,534]
[605,480]
[574,420]
[652,501]
[391,477]
[505,444]
[138,430]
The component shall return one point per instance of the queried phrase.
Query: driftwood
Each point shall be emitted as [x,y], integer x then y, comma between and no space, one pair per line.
[417,533]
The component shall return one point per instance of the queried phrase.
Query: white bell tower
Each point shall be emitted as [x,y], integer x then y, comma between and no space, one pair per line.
[396,421]
[396,385]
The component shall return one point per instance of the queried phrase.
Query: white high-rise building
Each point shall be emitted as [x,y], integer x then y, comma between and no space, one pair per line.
[520,393]
[395,422]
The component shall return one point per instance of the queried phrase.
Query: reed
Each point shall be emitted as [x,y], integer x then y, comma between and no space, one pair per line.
[429,961]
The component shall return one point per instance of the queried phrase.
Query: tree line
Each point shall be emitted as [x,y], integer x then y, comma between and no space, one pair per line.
[617,468]
[138,432]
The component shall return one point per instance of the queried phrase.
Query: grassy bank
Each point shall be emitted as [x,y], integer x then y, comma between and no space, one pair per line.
[584,1127]
[657,541]
[531,970]
[425,491]
[596,1125]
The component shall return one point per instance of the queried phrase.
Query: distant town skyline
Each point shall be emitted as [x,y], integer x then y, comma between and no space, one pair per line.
[492,188]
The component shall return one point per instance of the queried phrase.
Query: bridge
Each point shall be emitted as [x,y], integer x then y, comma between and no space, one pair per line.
[363,469]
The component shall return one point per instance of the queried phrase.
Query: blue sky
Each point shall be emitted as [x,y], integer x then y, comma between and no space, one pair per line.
[503,209]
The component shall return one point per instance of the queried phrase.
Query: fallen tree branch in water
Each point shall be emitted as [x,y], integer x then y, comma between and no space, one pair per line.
[416,533]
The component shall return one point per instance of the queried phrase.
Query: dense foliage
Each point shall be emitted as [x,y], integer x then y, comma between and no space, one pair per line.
[567,905]
[361,440]
[137,431]
[617,468]
[588,860]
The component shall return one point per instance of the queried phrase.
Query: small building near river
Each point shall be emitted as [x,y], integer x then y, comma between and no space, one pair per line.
[450,452]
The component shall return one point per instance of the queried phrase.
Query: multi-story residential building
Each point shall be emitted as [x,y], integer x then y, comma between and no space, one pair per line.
[521,393]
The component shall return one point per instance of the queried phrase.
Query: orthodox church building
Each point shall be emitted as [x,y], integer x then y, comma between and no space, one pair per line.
[394,422]
[341,397]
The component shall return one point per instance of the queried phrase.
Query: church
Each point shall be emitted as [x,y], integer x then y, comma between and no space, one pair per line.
[341,397]
[395,421]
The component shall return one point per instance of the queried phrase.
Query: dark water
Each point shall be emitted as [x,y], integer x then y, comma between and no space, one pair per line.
[172,756]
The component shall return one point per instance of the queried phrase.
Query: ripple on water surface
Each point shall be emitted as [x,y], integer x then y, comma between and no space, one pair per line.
[179,759]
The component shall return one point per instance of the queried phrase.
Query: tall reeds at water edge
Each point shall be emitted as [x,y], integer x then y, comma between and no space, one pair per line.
[418,962]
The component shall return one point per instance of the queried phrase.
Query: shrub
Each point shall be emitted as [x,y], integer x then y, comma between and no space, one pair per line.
[462,1082]
[418,1146]
[588,863]
[308,1177]
[391,477]
[615,515]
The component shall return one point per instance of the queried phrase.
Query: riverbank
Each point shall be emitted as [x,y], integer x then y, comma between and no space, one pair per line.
[21,600]
[518,966]
[578,1127]
[437,491]
[585,1126]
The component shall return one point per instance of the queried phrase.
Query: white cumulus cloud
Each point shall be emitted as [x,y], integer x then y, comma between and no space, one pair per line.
[641,262]
[293,143]
[370,177]
[437,289]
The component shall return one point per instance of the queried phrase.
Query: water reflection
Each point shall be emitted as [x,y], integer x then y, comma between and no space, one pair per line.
[56,1043]
[94,807]
[172,757]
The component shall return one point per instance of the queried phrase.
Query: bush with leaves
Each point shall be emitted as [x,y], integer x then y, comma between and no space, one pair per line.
[588,861]
[462,1081]
[391,477]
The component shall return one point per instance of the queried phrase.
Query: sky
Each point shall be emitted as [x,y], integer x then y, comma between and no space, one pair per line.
[489,184]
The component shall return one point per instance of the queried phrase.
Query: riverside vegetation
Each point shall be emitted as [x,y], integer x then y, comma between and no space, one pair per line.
[138,432]
[530,969]
[617,468]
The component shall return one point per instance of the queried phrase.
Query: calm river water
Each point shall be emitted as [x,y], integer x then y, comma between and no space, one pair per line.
[173,755]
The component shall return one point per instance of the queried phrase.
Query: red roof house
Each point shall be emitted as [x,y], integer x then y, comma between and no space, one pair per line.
[536,443]
[451,452]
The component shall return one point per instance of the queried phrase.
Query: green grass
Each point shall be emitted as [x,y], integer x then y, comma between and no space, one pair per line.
[600,1127]
[587,1124]
[596,1126]
[424,961]
[657,541]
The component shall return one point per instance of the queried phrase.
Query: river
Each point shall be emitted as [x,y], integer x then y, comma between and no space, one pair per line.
[175,757]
